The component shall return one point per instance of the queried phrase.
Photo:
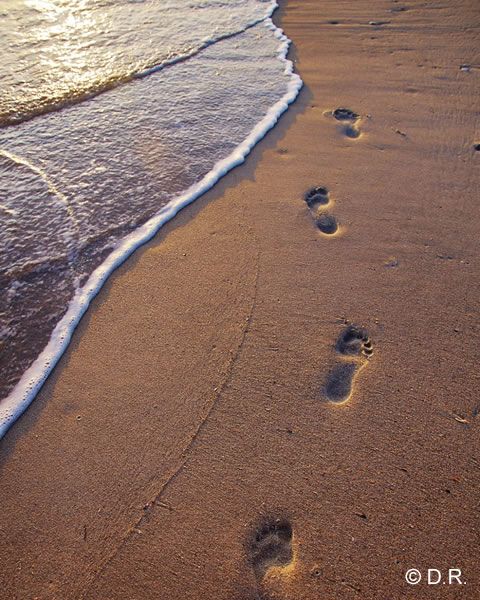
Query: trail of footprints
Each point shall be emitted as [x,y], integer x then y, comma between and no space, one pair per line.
[318,198]
[269,547]
[353,347]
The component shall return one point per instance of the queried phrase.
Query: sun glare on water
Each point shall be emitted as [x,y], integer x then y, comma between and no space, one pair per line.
[57,50]
[66,31]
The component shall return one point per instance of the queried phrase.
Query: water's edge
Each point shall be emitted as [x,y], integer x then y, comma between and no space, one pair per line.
[13,406]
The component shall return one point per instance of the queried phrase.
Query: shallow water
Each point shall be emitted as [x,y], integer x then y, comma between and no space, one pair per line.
[55,51]
[80,183]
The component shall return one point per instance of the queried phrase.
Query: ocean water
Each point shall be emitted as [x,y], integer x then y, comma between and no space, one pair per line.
[114,115]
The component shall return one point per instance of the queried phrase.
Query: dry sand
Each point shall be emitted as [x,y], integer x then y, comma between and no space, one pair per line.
[190,409]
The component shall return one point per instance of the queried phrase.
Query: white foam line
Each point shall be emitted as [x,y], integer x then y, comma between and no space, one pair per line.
[34,377]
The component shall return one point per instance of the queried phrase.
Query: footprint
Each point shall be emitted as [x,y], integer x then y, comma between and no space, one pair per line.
[271,546]
[349,120]
[327,223]
[354,341]
[317,196]
[317,199]
[345,114]
[355,348]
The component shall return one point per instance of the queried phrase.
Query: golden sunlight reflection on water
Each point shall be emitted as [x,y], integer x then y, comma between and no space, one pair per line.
[56,51]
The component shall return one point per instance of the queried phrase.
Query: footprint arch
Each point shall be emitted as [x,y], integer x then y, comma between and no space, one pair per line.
[339,383]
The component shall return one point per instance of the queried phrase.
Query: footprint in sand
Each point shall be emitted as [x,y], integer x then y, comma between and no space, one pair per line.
[354,348]
[270,547]
[349,120]
[317,199]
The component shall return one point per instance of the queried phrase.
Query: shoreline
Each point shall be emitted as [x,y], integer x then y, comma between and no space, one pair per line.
[171,429]
[33,378]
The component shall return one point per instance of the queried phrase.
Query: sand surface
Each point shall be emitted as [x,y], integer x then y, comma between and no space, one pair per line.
[185,443]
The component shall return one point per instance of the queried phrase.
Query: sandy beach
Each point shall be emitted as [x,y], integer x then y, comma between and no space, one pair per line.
[256,409]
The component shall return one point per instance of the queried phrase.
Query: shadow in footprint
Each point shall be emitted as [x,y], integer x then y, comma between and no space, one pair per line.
[317,196]
[354,347]
[354,341]
[349,120]
[338,387]
[327,223]
[317,199]
[351,131]
[345,114]
[270,546]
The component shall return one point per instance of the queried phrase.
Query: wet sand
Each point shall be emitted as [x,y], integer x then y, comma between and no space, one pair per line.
[210,434]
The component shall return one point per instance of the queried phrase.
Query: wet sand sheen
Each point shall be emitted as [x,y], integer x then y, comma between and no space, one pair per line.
[183,448]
